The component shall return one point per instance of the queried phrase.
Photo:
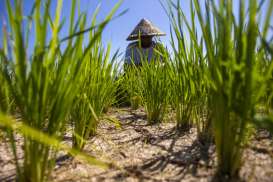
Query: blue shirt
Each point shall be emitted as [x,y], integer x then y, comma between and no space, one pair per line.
[136,53]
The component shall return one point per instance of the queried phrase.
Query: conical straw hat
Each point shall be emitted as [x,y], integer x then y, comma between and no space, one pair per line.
[145,28]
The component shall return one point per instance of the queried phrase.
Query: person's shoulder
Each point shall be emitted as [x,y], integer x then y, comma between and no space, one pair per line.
[132,45]
[158,44]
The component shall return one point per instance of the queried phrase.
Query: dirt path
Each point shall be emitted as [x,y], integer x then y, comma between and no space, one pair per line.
[153,153]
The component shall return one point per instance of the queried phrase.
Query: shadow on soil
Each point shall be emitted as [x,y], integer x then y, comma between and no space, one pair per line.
[185,161]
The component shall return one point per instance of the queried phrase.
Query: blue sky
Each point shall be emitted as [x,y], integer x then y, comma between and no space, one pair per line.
[118,30]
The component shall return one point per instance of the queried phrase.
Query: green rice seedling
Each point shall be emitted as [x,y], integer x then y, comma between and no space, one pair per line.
[154,88]
[43,85]
[229,120]
[264,74]
[98,88]
[231,52]
[189,88]
[135,102]
[5,96]
[131,86]
[230,71]
[181,98]
[182,85]
[201,110]
[201,114]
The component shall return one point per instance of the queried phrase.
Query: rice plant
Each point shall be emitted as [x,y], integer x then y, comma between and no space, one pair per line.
[188,68]
[229,70]
[181,75]
[154,88]
[5,96]
[98,88]
[264,73]
[43,84]
[130,86]
[231,52]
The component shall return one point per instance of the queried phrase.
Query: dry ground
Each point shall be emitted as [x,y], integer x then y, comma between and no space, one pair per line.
[150,153]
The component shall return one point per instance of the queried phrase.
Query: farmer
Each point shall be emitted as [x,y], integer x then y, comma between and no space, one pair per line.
[144,47]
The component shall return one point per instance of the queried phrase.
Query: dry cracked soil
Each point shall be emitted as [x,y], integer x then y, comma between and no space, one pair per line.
[143,152]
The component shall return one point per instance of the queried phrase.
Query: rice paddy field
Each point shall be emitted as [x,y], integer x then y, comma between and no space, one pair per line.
[201,110]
